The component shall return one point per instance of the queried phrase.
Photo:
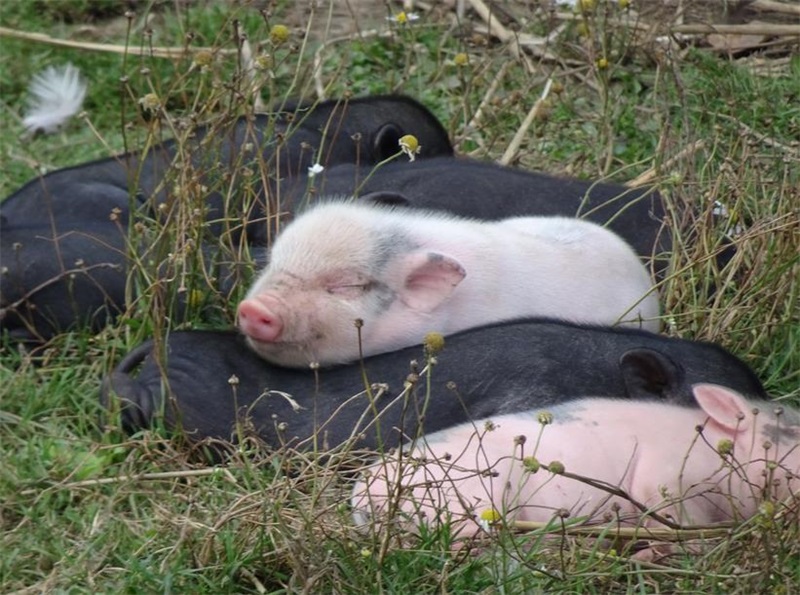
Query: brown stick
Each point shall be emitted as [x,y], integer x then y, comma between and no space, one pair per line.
[772,6]
[748,29]
[140,477]
[513,147]
[647,177]
[628,532]
[157,52]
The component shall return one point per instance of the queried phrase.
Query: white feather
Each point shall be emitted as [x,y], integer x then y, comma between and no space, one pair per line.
[55,95]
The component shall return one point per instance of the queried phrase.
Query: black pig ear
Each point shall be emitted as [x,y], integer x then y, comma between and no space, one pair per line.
[649,374]
[386,142]
[133,400]
[385,198]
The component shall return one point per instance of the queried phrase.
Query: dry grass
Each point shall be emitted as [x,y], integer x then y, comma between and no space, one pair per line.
[91,510]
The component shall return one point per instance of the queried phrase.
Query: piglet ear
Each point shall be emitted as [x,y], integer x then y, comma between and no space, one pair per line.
[648,373]
[725,407]
[386,198]
[428,279]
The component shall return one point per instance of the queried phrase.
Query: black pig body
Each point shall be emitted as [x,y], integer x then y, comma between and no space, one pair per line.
[497,369]
[63,250]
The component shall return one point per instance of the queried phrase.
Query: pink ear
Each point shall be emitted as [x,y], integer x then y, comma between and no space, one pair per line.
[428,279]
[727,408]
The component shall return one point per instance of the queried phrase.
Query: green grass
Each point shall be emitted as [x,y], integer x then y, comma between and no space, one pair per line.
[163,521]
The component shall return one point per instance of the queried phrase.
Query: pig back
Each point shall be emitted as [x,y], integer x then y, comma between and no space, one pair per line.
[498,369]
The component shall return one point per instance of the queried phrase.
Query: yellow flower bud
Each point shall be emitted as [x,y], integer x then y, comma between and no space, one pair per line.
[531,464]
[279,34]
[263,62]
[434,343]
[203,58]
[725,446]
[602,63]
[409,145]
[150,102]
[490,515]
[461,59]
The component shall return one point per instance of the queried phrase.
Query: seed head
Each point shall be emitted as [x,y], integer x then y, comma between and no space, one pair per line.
[150,102]
[203,59]
[545,418]
[531,464]
[263,62]
[556,467]
[433,342]
[461,59]
[279,34]
[725,446]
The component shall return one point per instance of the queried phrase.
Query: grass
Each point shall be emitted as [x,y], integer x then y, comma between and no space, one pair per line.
[707,128]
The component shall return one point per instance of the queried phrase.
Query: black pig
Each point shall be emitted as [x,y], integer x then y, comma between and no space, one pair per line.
[80,214]
[502,368]
[362,130]
[53,279]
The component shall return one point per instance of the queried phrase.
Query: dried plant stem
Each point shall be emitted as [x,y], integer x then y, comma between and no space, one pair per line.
[648,176]
[515,41]
[487,97]
[143,476]
[513,147]
[173,53]
[746,29]
[661,534]
[773,6]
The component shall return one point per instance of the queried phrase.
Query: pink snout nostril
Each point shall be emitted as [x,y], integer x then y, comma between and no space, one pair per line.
[259,322]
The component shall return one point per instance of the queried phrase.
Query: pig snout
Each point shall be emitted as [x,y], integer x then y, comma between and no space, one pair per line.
[260,318]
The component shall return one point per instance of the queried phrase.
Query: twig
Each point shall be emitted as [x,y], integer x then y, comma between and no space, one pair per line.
[156,52]
[487,97]
[143,476]
[247,64]
[513,147]
[698,28]
[746,29]
[472,126]
[763,138]
[515,41]
[661,534]
[772,6]
[647,177]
